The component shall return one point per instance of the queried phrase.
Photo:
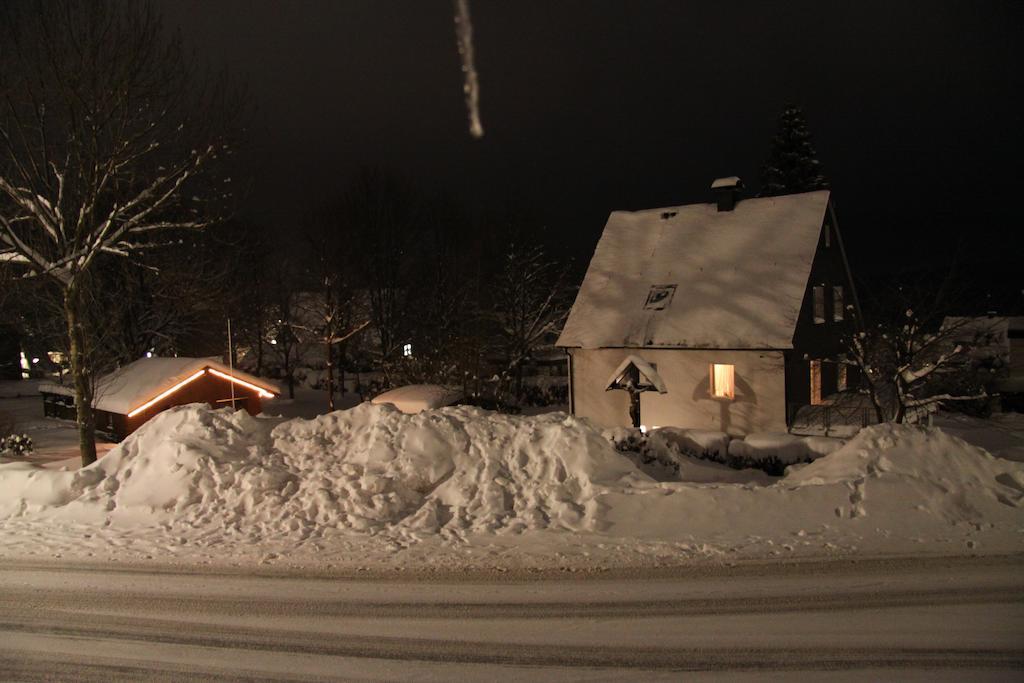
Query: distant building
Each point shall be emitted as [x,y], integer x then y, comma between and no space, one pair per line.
[128,397]
[738,306]
[996,348]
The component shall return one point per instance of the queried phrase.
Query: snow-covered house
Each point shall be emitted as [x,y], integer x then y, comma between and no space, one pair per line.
[739,307]
[131,395]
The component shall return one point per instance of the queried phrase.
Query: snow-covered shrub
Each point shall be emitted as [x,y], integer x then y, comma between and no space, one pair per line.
[16,445]
[627,440]
[774,452]
[653,457]
[699,443]
[769,452]
[674,454]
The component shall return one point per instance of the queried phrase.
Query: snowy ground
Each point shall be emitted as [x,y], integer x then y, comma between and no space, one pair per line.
[55,440]
[371,489]
[1002,435]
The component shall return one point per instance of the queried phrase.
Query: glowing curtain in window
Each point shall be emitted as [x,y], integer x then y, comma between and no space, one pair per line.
[723,381]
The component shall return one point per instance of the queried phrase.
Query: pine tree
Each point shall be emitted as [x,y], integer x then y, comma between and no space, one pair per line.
[792,164]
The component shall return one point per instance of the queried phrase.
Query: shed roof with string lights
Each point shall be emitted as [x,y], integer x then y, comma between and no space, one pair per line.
[131,395]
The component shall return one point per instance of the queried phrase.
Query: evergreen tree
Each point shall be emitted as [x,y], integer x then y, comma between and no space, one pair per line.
[792,164]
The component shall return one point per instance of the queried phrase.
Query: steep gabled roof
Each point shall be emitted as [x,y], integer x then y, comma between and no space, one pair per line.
[133,385]
[695,277]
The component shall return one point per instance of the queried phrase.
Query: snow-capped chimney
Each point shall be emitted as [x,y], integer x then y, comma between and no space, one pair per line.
[727,191]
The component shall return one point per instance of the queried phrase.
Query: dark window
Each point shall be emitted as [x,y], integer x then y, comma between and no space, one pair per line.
[819,304]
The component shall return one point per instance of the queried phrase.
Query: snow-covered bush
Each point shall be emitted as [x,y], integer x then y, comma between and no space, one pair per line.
[16,445]
[774,452]
[647,456]
[699,443]
[769,452]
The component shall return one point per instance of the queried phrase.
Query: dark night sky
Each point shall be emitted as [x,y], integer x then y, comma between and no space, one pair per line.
[594,106]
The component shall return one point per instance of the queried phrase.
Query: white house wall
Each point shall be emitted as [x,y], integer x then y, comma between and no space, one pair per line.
[759,405]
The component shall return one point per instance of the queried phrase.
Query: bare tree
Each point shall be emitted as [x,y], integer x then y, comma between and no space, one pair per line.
[108,142]
[531,301]
[285,321]
[328,318]
[908,361]
[379,212]
[328,309]
[250,255]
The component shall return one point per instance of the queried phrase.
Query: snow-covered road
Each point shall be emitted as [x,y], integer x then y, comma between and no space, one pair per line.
[926,618]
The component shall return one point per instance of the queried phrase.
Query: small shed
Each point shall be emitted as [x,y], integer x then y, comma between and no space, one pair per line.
[128,397]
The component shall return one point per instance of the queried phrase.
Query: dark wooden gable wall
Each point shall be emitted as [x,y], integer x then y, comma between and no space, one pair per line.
[822,340]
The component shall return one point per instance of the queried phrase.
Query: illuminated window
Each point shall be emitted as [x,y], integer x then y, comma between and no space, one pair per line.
[407,350]
[723,381]
[816,383]
[837,303]
[819,304]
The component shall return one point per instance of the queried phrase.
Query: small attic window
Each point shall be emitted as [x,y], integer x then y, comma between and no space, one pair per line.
[659,297]
[665,215]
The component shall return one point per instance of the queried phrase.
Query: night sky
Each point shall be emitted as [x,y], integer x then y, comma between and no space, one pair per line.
[595,106]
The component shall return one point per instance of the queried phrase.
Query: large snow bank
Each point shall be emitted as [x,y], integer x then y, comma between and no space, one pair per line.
[458,480]
[367,469]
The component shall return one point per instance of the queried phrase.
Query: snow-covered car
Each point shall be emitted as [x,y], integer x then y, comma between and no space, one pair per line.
[415,398]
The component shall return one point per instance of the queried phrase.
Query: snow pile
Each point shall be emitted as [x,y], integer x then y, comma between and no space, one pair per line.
[371,468]
[456,468]
[903,468]
[892,489]
[361,484]
[415,398]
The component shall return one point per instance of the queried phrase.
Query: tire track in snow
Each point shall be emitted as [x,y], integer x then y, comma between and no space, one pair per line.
[14,601]
[726,658]
[70,625]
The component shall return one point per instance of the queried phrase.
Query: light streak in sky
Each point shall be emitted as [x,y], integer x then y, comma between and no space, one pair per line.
[471,86]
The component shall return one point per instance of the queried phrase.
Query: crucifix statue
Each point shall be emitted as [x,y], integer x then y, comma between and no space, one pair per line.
[635,376]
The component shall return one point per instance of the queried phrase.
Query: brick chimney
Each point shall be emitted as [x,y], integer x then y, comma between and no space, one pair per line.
[727,191]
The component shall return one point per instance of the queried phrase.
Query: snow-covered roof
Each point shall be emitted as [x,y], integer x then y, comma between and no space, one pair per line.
[136,383]
[730,181]
[415,398]
[696,277]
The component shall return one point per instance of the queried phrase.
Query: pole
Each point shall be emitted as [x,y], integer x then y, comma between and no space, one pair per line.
[231,365]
